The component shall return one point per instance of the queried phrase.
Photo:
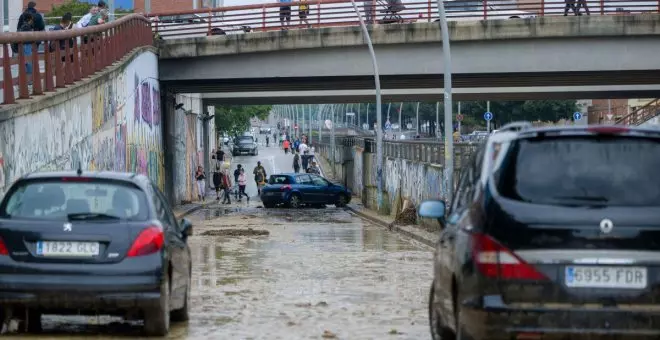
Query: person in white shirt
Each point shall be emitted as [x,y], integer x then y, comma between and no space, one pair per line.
[302,148]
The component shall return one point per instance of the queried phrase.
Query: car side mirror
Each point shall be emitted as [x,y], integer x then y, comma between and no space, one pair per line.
[186,227]
[433,209]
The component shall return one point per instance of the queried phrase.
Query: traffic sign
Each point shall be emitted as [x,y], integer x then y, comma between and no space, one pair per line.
[488,116]
[459,117]
[577,116]
[388,125]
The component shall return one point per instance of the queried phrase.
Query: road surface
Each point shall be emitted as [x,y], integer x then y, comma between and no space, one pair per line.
[288,274]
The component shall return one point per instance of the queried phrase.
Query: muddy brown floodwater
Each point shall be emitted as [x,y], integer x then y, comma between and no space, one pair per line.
[297,274]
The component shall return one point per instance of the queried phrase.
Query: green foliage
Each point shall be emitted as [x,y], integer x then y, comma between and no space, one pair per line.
[235,119]
[77,9]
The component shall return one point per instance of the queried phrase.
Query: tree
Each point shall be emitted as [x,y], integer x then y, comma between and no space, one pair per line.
[77,9]
[235,119]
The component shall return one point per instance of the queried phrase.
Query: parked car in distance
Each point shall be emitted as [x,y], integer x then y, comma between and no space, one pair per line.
[101,243]
[244,145]
[297,189]
[572,252]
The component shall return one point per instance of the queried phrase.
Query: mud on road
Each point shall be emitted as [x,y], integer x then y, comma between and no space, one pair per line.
[289,274]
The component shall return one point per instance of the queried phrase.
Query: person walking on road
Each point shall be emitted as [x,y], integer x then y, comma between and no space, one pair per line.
[217,182]
[237,173]
[242,182]
[259,176]
[226,186]
[296,162]
[200,177]
[267,140]
[286,146]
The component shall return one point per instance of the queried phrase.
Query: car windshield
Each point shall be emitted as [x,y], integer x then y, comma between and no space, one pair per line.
[75,200]
[583,171]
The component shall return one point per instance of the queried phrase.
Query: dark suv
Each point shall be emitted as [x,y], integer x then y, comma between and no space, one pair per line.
[562,240]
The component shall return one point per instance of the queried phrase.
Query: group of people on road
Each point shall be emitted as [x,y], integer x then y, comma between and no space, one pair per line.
[32,21]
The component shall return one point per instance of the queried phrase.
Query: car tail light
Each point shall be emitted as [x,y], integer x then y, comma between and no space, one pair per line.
[149,241]
[3,248]
[76,179]
[608,130]
[494,260]
[286,187]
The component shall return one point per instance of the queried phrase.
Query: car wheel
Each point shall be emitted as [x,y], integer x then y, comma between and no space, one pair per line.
[157,320]
[342,200]
[438,330]
[181,315]
[295,202]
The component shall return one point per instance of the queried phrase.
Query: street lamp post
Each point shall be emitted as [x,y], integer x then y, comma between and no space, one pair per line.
[449,141]
[417,120]
[379,118]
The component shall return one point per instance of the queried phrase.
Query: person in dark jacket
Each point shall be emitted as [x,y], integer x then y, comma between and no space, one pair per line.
[38,23]
[66,23]
[217,182]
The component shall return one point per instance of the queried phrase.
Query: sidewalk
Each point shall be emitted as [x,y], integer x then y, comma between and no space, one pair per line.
[416,233]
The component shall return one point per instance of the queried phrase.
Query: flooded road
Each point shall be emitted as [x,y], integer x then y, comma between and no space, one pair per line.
[289,274]
[286,274]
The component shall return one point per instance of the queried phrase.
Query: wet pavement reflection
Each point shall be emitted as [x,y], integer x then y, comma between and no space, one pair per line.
[289,274]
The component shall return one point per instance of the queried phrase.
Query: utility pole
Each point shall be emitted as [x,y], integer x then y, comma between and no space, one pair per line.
[447,73]
[417,120]
[332,141]
[400,123]
[488,121]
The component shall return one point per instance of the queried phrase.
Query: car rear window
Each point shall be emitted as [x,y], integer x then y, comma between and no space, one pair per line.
[614,171]
[57,199]
[279,179]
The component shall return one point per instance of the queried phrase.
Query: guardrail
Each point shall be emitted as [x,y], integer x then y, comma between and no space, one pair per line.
[325,13]
[38,62]
[641,115]
[421,151]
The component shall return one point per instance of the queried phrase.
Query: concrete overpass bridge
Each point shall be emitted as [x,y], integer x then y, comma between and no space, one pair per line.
[540,58]
[122,101]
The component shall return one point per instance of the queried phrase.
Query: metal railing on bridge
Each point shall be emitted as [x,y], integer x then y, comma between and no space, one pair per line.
[91,49]
[642,114]
[60,58]
[414,150]
[329,13]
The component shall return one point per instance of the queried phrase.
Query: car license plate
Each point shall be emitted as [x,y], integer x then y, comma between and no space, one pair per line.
[606,277]
[67,248]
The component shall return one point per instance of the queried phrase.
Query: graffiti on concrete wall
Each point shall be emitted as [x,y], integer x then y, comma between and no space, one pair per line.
[2,172]
[192,156]
[357,171]
[414,181]
[92,131]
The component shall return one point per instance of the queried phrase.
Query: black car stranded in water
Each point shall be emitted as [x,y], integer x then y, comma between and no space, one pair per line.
[561,241]
[102,243]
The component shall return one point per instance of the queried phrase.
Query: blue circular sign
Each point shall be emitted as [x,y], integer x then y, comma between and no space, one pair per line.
[488,116]
[577,116]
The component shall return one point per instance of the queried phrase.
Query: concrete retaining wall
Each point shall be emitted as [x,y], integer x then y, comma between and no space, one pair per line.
[403,179]
[112,121]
